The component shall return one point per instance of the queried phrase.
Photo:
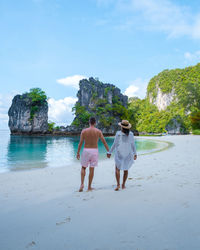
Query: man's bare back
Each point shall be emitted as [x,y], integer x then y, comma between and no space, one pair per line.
[91,136]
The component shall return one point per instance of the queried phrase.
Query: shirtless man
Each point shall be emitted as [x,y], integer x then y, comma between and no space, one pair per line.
[89,156]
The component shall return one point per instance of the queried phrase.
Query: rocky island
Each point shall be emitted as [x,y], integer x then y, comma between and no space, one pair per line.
[104,101]
[28,114]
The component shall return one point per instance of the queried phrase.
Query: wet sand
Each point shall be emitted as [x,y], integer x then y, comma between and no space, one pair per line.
[159,209]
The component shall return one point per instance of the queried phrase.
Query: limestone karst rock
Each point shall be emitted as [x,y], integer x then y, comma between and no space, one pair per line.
[178,86]
[102,100]
[20,119]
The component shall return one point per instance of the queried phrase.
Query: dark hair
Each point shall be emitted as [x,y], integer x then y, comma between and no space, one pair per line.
[125,131]
[92,120]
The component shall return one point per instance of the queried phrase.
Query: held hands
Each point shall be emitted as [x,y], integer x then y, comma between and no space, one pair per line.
[108,155]
[135,157]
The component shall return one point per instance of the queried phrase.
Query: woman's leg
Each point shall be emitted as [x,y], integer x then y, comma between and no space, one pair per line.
[124,178]
[117,175]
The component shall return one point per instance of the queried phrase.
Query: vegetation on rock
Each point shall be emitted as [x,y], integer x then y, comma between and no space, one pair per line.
[104,101]
[185,83]
[185,108]
[38,97]
[51,126]
[195,122]
[144,116]
[82,115]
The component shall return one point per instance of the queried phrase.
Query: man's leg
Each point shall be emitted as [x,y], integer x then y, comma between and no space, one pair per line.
[124,178]
[117,175]
[91,175]
[82,178]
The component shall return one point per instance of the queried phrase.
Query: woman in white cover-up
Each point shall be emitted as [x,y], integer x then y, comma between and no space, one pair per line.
[125,152]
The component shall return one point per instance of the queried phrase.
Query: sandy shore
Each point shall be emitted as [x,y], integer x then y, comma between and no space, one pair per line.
[159,210]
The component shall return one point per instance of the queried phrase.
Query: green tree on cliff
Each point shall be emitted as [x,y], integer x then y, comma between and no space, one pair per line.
[38,97]
[185,108]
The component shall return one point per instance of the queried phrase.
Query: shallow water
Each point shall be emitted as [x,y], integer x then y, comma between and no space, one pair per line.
[24,152]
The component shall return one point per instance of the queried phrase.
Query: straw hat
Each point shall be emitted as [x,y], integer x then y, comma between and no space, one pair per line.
[125,124]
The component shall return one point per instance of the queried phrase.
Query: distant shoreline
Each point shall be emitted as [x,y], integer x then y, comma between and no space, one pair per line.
[68,134]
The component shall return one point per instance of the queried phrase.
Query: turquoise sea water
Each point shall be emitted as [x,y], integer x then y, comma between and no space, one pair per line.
[23,152]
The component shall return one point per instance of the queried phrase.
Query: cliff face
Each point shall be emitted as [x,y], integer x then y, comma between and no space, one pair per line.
[22,118]
[162,100]
[180,86]
[92,89]
[104,101]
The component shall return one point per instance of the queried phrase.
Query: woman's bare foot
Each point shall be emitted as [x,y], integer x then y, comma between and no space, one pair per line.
[117,188]
[90,189]
[123,186]
[81,188]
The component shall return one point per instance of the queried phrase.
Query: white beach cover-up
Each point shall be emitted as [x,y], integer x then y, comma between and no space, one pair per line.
[125,150]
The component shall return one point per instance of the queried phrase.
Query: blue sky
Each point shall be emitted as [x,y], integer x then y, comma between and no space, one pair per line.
[52,44]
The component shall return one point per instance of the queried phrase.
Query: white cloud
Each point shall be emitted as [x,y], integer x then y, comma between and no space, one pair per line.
[60,111]
[137,88]
[188,56]
[192,56]
[5,103]
[163,16]
[131,90]
[72,81]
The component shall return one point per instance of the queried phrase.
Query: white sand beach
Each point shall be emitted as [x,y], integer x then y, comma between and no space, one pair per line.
[159,209]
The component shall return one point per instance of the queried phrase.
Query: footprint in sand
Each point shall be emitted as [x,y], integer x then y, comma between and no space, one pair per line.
[141,236]
[31,244]
[139,178]
[185,204]
[150,177]
[87,199]
[66,220]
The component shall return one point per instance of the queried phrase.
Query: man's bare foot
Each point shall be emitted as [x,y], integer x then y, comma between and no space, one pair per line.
[117,188]
[123,186]
[81,188]
[90,189]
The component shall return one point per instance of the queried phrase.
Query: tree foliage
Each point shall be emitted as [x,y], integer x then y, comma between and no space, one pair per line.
[184,82]
[51,126]
[38,97]
[82,115]
[185,86]
[145,117]
[195,120]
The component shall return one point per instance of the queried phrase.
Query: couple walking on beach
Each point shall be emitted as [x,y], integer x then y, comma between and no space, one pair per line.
[123,145]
